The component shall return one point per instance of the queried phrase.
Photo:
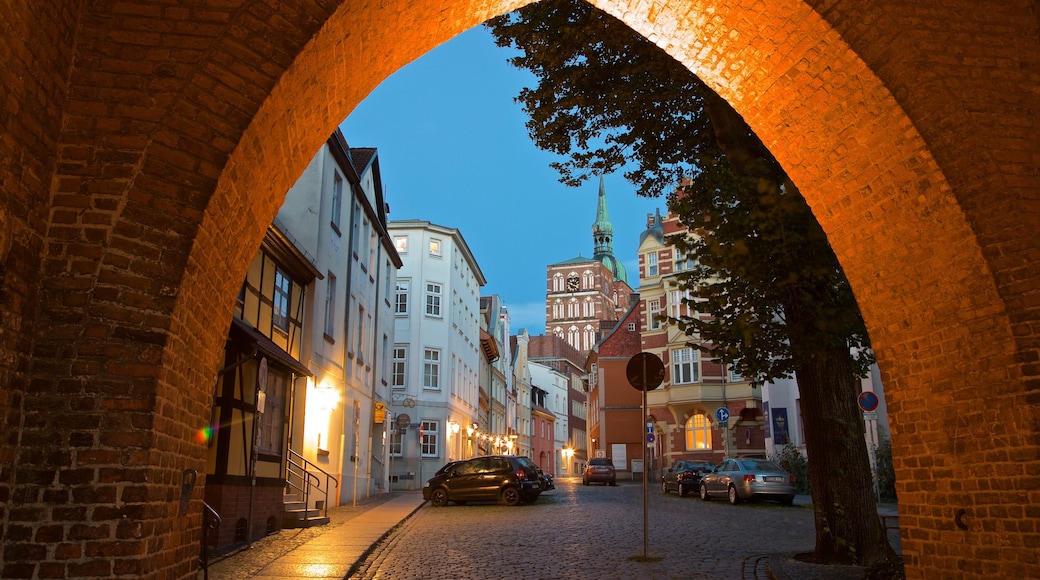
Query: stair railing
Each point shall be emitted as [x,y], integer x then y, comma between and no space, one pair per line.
[300,476]
[210,521]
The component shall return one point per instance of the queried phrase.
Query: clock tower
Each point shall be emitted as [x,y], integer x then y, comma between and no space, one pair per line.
[586,295]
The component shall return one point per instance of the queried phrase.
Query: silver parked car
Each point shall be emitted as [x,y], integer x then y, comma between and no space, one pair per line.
[747,479]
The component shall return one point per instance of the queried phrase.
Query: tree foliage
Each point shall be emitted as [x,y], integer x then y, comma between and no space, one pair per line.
[608,98]
[777,299]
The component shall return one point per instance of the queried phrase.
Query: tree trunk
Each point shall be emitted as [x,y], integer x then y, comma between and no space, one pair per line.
[848,530]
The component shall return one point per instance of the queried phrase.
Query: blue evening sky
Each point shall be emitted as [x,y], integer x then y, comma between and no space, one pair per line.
[453,150]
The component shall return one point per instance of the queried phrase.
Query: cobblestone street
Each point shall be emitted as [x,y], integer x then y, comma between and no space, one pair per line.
[592,532]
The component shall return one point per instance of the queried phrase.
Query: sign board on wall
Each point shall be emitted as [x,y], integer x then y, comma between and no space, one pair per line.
[619,455]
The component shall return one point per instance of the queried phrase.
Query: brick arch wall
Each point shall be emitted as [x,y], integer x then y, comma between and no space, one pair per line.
[145,148]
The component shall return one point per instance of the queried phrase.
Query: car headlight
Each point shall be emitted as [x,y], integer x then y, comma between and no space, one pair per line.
[427,484]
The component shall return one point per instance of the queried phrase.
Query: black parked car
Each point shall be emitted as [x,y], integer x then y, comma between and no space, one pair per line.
[685,476]
[504,478]
[547,480]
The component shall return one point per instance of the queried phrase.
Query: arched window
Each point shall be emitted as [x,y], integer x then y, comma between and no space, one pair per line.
[589,337]
[557,283]
[698,433]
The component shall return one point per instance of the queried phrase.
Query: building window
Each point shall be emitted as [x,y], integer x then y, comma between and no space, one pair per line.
[682,261]
[431,368]
[399,373]
[401,301]
[651,264]
[435,247]
[282,292]
[698,433]
[631,326]
[330,307]
[684,366]
[273,417]
[337,199]
[678,306]
[395,442]
[433,299]
[734,376]
[655,314]
[401,243]
[429,438]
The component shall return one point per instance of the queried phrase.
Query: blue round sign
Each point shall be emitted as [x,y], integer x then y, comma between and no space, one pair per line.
[868,401]
[722,414]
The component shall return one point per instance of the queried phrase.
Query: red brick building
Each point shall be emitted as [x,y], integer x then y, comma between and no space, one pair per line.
[615,407]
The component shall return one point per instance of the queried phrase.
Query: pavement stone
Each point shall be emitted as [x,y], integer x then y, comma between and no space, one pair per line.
[360,541]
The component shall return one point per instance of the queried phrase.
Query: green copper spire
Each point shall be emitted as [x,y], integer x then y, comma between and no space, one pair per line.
[603,237]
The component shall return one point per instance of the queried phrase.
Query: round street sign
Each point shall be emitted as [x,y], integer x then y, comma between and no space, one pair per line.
[868,401]
[645,371]
[403,420]
[722,414]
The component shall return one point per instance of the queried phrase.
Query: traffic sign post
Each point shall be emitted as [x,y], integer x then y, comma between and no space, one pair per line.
[868,401]
[645,372]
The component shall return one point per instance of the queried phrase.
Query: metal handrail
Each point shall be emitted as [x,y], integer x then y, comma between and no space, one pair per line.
[210,521]
[308,479]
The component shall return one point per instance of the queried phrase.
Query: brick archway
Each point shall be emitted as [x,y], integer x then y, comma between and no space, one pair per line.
[144,149]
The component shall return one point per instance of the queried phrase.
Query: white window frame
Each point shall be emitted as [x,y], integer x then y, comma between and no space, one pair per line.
[281,299]
[432,369]
[395,443]
[433,299]
[654,312]
[399,367]
[651,264]
[435,247]
[401,243]
[401,297]
[337,199]
[685,369]
[330,306]
[429,440]
[698,432]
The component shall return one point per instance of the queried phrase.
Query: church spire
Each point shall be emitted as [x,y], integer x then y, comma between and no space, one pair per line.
[603,237]
[602,229]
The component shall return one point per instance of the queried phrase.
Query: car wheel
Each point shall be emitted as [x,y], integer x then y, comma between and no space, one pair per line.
[788,500]
[704,492]
[613,482]
[510,496]
[683,492]
[734,499]
[439,497]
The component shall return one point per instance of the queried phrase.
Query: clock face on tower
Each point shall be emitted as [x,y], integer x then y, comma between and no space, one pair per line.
[572,283]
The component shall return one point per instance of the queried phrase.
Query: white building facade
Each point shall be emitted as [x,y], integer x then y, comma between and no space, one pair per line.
[435,358]
[556,384]
[336,215]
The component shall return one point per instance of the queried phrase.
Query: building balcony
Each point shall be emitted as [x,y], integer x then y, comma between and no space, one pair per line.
[667,395]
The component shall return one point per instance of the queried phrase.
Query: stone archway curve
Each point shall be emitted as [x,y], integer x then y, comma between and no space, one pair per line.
[909,126]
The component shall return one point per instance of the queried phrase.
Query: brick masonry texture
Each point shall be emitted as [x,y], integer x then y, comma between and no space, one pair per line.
[145,147]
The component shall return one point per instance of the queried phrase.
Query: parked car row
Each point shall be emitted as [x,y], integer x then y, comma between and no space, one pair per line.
[737,480]
[507,479]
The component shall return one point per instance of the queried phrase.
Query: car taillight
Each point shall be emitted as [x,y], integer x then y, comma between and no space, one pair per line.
[520,475]
[749,478]
[791,478]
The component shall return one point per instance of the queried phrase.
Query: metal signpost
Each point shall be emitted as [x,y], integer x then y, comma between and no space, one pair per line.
[645,372]
[868,402]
